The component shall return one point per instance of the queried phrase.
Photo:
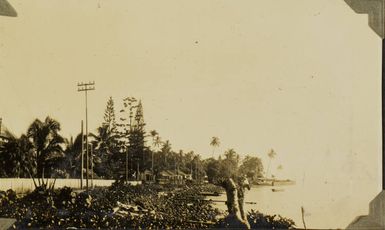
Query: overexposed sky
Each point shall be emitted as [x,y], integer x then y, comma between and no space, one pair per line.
[300,76]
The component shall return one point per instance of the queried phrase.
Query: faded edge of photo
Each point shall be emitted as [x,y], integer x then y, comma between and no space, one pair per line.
[6,9]
[375,10]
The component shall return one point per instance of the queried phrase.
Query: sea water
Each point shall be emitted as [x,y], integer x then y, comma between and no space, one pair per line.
[327,205]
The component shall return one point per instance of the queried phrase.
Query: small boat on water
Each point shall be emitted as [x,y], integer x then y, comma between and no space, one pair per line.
[277,190]
[273,182]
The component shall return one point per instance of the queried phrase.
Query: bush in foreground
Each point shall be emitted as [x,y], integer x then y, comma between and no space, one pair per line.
[123,206]
[258,220]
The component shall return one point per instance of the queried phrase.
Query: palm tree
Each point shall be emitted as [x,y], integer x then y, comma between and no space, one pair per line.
[154,134]
[47,142]
[214,143]
[231,154]
[25,157]
[166,150]
[180,159]
[158,141]
[271,154]
[189,157]
[8,154]
[16,157]
[107,150]
[196,160]
[231,162]
[72,156]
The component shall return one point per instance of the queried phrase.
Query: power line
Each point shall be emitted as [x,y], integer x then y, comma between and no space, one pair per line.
[1,121]
[85,87]
[82,158]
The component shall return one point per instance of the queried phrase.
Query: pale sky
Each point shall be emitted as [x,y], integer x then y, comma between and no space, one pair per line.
[301,76]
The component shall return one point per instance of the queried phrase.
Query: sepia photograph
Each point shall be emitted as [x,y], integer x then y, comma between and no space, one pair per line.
[204,114]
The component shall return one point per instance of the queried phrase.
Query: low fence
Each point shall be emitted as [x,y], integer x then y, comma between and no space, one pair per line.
[23,185]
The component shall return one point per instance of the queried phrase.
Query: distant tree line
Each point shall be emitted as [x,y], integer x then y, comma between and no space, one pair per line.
[120,147]
[231,166]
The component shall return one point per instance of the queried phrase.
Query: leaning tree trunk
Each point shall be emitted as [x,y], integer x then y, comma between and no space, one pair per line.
[233,219]
[33,178]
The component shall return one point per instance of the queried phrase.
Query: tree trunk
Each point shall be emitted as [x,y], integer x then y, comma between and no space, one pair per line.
[268,169]
[233,219]
[33,179]
[42,173]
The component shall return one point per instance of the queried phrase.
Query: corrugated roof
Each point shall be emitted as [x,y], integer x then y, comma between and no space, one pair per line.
[172,173]
[166,173]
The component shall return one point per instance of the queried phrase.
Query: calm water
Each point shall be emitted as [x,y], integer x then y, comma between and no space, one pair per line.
[327,205]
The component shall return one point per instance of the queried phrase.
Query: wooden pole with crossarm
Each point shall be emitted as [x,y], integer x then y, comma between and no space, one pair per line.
[85,87]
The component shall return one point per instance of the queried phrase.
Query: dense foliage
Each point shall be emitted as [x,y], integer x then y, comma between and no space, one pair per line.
[36,154]
[123,206]
[120,148]
[120,206]
[232,166]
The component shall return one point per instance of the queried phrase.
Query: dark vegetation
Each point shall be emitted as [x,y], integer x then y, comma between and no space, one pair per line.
[117,146]
[123,206]
[43,153]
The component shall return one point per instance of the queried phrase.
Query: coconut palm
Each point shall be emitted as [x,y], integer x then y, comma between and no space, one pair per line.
[154,134]
[271,154]
[166,150]
[158,142]
[230,163]
[189,156]
[180,160]
[231,154]
[47,143]
[25,157]
[107,151]
[72,156]
[8,154]
[16,157]
[214,143]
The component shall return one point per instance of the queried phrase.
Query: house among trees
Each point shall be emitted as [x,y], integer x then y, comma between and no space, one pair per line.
[147,175]
[185,177]
[173,177]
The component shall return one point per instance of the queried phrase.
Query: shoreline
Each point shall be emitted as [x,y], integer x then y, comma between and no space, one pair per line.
[119,206]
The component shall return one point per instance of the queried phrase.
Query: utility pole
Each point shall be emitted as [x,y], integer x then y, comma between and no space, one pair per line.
[1,138]
[86,87]
[1,121]
[82,158]
[127,165]
[128,103]
[196,170]
[92,166]
[152,165]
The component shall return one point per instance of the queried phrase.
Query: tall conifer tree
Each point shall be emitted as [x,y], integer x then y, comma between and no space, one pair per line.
[137,140]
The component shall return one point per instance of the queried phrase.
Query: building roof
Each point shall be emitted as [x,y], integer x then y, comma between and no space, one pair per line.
[179,172]
[172,173]
[166,173]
